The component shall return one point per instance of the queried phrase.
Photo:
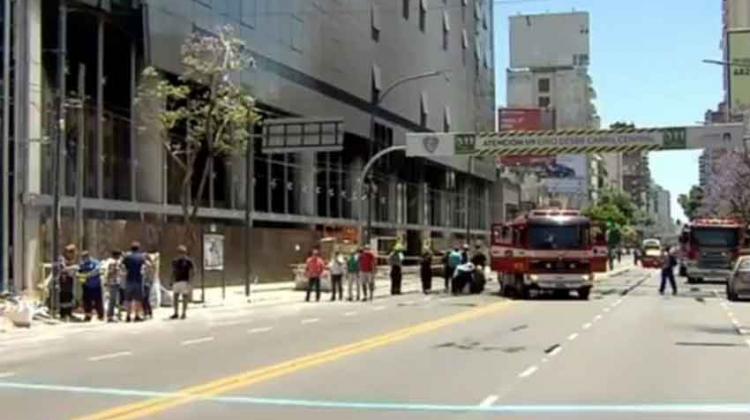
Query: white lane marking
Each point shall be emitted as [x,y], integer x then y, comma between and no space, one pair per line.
[555,352]
[606,310]
[528,372]
[427,298]
[228,323]
[735,322]
[489,401]
[747,341]
[7,374]
[259,330]
[110,356]
[352,313]
[586,326]
[197,341]
[378,308]
[743,331]
[310,320]
[597,318]
[573,336]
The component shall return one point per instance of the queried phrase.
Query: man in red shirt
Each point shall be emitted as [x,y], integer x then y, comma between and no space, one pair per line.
[368,266]
[314,268]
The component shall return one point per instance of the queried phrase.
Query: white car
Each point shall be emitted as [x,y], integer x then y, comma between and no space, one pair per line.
[738,284]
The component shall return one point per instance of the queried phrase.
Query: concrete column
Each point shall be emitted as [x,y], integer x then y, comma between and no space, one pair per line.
[27,149]
[393,199]
[352,186]
[237,181]
[306,188]
[149,152]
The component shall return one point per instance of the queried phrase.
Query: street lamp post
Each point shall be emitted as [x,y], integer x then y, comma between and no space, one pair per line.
[365,177]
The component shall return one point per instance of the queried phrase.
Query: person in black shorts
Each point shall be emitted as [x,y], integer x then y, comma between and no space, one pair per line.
[134,263]
[182,273]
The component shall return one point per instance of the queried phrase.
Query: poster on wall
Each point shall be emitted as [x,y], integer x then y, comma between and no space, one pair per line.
[213,252]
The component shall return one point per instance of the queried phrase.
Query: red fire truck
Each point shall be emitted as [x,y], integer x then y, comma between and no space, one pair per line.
[548,250]
[709,248]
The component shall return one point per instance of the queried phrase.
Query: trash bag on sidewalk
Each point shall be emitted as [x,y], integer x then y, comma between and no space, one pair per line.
[165,296]
[20,314]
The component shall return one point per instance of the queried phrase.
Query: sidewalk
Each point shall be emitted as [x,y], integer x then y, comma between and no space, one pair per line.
[264,295]
[275,293]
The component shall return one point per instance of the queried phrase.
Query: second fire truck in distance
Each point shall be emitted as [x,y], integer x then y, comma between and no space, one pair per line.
[710,247]
[548,250]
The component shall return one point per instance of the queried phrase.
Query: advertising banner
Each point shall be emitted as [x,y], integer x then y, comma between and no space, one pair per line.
[739,75]
[519,119]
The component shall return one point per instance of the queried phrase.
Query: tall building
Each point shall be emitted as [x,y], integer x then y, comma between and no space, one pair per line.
[549,58]
[660,211]
[321,59]
[636,177]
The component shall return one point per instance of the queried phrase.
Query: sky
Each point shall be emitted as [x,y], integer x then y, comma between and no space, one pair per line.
[645,65]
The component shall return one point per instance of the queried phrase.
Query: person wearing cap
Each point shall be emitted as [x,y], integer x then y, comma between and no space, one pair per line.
[89,274]
[133,265]
[182,274]
[66,270]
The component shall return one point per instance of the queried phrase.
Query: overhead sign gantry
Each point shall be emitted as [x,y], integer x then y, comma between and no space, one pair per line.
[553,142]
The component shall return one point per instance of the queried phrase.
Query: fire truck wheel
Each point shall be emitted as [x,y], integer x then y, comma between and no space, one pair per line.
[731,296]
[583,293]
[522,292]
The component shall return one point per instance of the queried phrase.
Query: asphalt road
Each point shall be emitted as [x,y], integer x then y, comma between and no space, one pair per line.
[626,353]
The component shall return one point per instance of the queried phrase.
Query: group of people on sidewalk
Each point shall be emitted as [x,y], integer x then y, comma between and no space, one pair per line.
[123,280]
[359,268]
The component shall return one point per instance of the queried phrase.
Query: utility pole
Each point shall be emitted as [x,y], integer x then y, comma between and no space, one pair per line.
[5,198]
[60,141]
[79,154]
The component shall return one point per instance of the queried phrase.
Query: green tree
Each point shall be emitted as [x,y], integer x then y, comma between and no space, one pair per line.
[692,201]
[621,124]
[203,112]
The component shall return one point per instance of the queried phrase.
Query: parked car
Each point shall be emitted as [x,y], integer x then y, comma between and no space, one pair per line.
[739,282]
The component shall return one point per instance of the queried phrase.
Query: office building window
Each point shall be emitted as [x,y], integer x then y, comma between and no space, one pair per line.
[543,85]
[423,15]
[376,82]
[406,6]
[446,29]
[375,22]
[544,102]
[464,45]
[248,12]
[424,112]
[297,35]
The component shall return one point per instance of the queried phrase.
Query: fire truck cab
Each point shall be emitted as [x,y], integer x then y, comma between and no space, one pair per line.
[709,248]
[548,250]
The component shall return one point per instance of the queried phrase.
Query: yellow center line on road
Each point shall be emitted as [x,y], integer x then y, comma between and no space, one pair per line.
[223,385]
